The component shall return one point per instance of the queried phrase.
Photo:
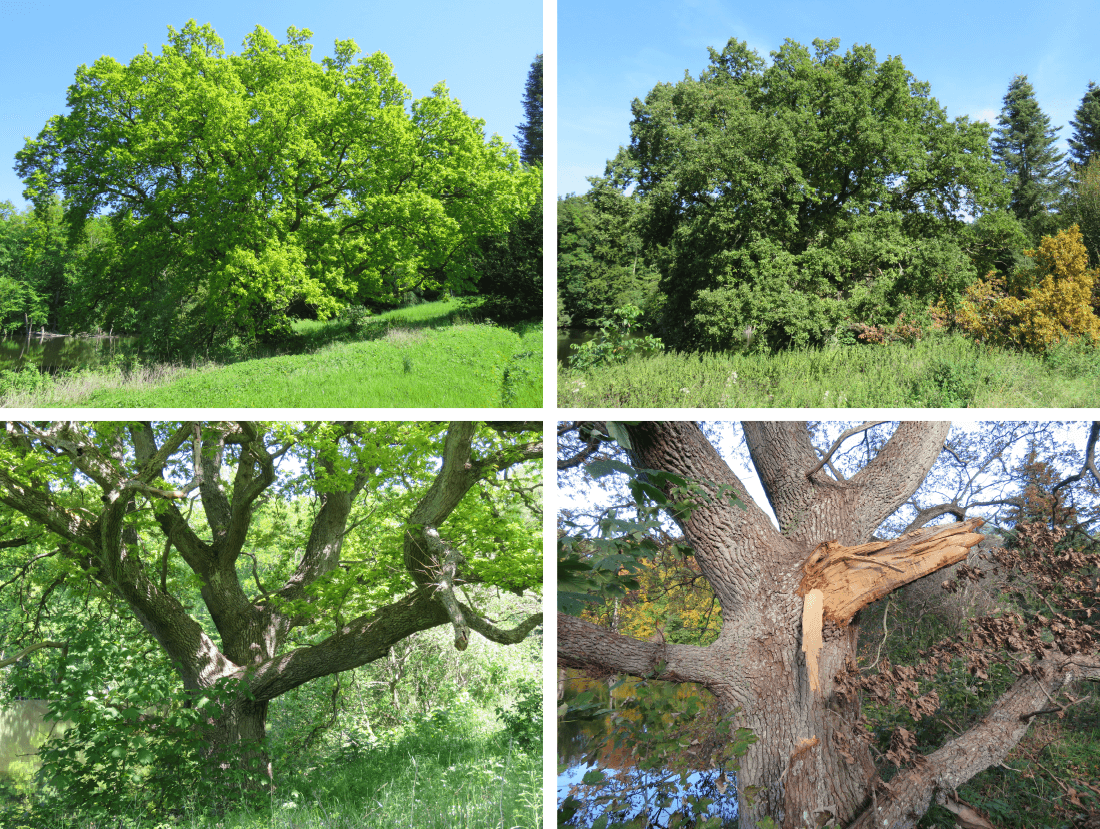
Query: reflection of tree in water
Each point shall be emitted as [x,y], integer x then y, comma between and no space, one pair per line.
[653,760]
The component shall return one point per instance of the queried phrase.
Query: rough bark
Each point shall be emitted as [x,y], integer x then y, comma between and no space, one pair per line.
[808,759]
[251,631]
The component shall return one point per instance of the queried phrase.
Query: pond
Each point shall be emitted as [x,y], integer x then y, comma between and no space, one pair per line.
[22,732]
[54,353]
[644,797]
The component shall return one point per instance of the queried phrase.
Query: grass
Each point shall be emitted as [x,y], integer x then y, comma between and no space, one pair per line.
[423,780]
[941,371]
[430,355]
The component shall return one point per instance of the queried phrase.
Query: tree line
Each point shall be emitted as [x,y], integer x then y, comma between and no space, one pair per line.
[191,196]
[812,199]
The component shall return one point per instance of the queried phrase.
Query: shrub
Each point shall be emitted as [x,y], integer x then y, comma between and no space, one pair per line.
[1041,304]
[523,722]
[616,342]
[357,317]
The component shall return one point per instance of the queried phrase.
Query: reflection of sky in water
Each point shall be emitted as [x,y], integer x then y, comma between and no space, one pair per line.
[635,787]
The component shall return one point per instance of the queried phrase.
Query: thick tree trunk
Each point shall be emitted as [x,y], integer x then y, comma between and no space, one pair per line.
[807,760]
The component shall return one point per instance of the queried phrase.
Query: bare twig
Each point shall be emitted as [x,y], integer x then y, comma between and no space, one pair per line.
[855,430]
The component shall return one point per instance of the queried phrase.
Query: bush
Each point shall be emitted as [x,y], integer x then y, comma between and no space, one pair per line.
[616,342]
[523,722]
[357,317]
[1040,304]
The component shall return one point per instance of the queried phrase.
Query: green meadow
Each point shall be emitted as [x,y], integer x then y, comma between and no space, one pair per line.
[438,354]
[940,371]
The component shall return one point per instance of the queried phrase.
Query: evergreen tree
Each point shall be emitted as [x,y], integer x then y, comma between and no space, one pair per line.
[1086,126]
[530,131]
[510,263]
[1024,144]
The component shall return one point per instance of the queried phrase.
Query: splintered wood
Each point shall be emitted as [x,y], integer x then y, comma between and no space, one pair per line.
[852,577]
[812,607]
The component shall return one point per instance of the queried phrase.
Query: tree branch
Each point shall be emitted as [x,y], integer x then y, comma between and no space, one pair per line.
[64,646]
[582,644]
[843,437]
[909,795]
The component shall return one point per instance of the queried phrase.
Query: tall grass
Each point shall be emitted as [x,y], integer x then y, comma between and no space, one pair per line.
[942,371]
[426,780]
[430,355]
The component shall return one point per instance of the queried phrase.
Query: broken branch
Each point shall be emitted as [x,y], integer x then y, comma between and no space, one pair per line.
[847,587]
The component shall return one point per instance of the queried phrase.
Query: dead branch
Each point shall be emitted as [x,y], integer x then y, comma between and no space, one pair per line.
[847,586]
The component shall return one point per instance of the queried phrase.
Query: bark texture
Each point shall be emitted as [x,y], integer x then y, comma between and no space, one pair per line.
[808,760]
[250,643]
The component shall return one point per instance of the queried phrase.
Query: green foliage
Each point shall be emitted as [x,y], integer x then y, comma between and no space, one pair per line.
[510,267]
[1049,301]
[356,316]
[1082,206]
[530,131]
[948,385]
[1085,141]
[134,736]
[601,261]
[593,570]
[241,185]
[523,721]
[790,198]
[618,340]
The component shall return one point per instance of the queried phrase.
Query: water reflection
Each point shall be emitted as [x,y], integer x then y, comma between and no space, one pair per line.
[58,353]
[605,770]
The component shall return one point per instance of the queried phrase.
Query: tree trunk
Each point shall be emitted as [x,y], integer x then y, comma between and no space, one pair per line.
[807,760]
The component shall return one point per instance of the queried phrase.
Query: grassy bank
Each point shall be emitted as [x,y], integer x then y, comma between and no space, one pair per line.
[942,371]
[430,355]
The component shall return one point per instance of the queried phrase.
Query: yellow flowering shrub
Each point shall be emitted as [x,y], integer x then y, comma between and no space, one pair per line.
[1049,301]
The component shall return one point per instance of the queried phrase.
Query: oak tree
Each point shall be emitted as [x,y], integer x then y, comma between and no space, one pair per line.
[397,528]
[794,197]
[242,184]
[783,664]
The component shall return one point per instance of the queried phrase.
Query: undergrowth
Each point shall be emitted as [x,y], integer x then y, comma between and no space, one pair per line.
[938,371]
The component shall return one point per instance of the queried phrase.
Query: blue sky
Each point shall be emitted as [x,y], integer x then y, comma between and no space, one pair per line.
[611,52]
[482,49]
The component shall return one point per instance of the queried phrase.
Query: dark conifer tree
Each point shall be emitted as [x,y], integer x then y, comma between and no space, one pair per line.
[530,131]
[1086,127]
[1024,144]
[511,263]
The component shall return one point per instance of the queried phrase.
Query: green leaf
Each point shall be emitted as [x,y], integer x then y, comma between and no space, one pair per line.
[617,430]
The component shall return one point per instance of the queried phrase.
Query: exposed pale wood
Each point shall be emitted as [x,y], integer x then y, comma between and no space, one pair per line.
[852,577]
[811,634]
